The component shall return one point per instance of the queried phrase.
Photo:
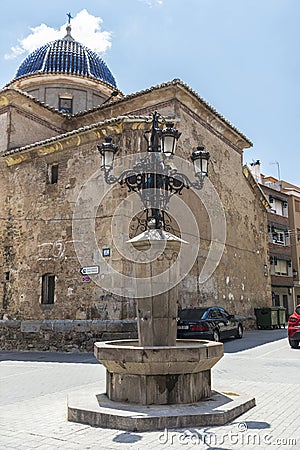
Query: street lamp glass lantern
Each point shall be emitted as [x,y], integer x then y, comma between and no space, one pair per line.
[200,159]
[107,151]
[169,137]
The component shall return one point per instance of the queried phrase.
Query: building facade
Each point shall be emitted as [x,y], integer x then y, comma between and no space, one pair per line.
[279,238]
[62,104]
[293,194]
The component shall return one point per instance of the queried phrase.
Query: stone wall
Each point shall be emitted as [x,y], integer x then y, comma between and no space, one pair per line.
[62,335]
[70,335]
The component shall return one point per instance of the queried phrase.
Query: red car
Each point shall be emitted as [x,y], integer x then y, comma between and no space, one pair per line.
[294,328]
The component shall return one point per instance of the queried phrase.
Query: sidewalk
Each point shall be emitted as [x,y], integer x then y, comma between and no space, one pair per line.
[34,388]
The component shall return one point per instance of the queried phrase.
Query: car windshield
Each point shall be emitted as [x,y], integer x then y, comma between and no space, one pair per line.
[192,314]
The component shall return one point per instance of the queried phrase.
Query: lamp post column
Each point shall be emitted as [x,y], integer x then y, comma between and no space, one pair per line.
[157,315]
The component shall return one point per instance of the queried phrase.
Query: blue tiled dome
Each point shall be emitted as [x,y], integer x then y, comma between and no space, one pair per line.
[66,56]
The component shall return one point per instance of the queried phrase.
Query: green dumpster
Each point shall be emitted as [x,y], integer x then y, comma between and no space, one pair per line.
[281,316]
[266,317]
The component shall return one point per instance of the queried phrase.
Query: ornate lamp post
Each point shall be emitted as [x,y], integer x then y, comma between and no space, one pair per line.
[162,375]
[153,178]
[157,369]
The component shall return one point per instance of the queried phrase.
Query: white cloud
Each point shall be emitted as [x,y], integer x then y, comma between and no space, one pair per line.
[86,29]
[152,2]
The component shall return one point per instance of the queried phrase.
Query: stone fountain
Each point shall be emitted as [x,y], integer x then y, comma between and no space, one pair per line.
[157,381]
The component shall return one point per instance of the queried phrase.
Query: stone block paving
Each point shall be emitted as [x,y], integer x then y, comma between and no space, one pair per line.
[34,393]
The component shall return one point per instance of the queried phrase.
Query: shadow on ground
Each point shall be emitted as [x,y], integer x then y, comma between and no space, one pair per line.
[127,438]
[60,357]
[253,339]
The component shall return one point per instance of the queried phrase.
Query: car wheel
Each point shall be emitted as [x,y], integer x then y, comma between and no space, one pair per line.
[239,332]
[294,344]
[216,336]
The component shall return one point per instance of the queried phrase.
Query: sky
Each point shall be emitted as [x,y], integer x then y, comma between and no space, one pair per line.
[242,57]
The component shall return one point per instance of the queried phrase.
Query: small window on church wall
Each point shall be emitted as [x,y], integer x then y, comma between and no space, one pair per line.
[48,289]
[53,174]
[65,104]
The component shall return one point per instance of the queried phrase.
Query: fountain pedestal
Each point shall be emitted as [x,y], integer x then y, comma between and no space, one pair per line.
[157,382]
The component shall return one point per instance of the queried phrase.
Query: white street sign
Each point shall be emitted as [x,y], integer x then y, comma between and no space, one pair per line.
[89,270]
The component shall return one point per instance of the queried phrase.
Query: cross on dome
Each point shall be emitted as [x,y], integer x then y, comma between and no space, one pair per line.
[68,35]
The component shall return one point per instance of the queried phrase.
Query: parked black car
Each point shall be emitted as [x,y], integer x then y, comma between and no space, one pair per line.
[213,323]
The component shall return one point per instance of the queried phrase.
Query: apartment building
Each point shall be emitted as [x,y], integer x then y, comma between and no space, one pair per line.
[280,238]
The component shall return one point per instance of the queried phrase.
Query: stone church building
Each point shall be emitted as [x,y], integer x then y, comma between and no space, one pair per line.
[61,104]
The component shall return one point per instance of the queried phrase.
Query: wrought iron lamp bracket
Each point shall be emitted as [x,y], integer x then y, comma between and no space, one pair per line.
[154,178]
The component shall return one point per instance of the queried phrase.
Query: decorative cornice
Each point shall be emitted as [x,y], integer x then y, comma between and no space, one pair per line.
[149,109]
[4,101]
[176,82]
[73,138]
[69,75]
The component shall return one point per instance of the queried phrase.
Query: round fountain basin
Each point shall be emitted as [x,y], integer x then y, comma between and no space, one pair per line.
[188,356]
[158,375]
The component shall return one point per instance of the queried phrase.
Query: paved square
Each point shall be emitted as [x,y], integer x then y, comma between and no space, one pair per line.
[34,388]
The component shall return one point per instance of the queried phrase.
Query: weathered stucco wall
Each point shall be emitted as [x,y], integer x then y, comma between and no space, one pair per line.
[3,131]
[25,121]
[239,282]
[39,238]
[25,129]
